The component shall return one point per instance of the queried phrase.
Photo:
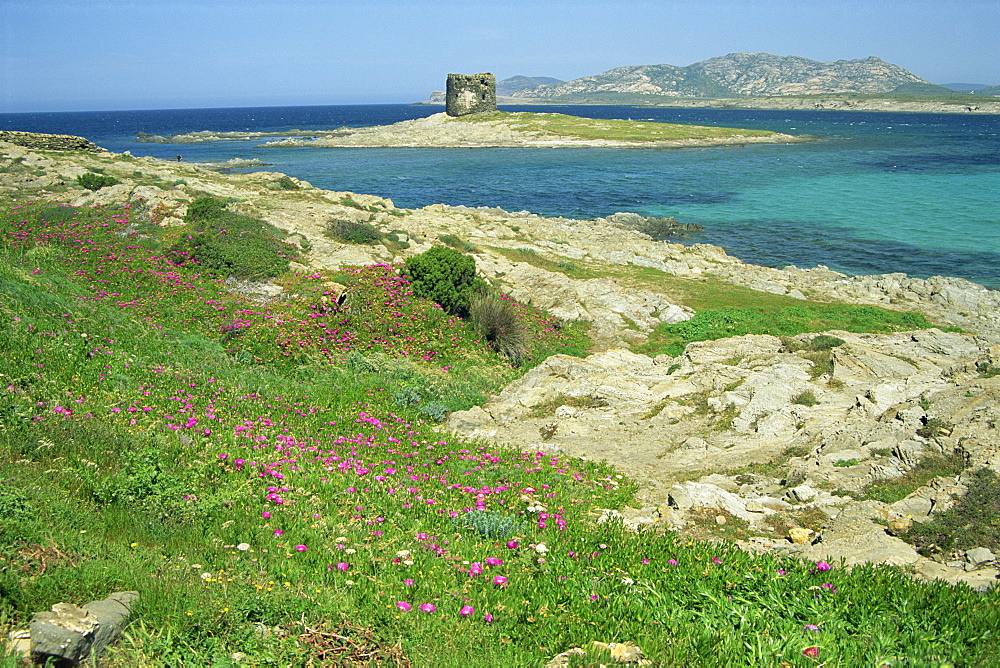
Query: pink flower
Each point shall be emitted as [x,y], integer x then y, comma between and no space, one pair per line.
[492,561]
[342,566]
[466,610]
[811,652]
[488,618]
[266,515]
[512,544]
[500,580]
[278,532]
[810,627]
[823,566]
[476,568]
[300,548]
[428,607]
[403,605]
[408,583]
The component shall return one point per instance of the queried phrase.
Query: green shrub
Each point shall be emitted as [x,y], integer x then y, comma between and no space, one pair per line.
[972,522]
[490,524]
[935,427]
[496,318]
[92,181]
[408,396]
[204,209]
[927,469]
[445,276]
[437,411]
[807,398]
[352,232]
[286,183]
[229,244]
[456,243]
[825,342]
[13,505]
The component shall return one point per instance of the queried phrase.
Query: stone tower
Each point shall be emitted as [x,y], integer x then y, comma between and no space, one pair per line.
[471,94]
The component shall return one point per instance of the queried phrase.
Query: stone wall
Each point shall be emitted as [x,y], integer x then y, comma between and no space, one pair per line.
[48,142]
[471,94]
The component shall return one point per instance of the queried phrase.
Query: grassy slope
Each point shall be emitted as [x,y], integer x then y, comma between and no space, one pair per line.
[264,475]
[608,129]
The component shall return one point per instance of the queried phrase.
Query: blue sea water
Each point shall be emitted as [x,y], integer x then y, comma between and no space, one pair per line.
[876,193]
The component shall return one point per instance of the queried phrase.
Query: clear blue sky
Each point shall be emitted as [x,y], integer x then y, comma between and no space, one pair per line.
[144,54]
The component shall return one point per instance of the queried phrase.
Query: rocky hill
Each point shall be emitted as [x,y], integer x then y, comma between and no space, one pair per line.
[519,83]
[738,74]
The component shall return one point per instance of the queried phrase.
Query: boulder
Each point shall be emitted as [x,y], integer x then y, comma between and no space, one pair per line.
[688,495]
[71,634]
[979,555]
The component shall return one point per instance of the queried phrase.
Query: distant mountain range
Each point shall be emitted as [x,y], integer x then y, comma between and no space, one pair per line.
[508,87]
[739,75]
[733,75]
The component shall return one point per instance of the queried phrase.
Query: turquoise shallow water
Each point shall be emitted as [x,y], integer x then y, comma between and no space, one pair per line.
[877,193]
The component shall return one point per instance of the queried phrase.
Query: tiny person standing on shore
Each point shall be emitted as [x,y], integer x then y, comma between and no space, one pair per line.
[179,158]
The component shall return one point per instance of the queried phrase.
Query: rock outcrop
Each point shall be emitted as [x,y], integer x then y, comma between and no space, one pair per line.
[724,427]
[47,142]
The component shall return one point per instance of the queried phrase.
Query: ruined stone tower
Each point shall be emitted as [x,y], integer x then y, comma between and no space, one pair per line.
[471,94]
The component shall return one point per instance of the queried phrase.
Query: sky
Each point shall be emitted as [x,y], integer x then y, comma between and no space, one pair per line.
[83,55]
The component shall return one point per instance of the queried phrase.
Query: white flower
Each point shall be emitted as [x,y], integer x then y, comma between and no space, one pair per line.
[350,550]
[340,539]
[541,548]
[206,576]
[408,562]
[402,554]
[628,581]
[243,547]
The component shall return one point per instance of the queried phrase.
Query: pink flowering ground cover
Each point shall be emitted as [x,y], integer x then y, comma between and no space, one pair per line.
[248,467]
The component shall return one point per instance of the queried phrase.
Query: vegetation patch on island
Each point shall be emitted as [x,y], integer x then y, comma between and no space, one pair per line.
[615,130]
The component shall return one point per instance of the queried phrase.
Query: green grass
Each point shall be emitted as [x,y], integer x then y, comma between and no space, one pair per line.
[778,321]
[931,467]
[563,125]
[970,523]
[270,480]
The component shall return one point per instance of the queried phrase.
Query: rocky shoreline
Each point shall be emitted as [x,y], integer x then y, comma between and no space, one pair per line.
[719,429]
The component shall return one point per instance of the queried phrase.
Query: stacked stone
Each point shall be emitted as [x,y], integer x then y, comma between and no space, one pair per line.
[471,94]
[47,142]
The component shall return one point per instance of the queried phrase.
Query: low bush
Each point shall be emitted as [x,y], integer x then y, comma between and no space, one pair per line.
[352,232]
[807,398]
[497,319]
[229,244]
[446,276]
[489,524]
[928,468]
[971,522]
[92,181]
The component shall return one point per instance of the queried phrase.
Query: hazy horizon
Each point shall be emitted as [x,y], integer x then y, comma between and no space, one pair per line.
[109,55]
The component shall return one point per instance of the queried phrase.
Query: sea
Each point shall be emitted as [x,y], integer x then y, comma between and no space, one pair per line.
[874,193]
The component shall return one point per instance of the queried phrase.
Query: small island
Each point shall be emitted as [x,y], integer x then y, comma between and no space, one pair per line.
[527,129]
[502,129]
